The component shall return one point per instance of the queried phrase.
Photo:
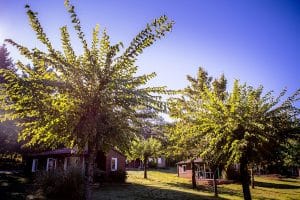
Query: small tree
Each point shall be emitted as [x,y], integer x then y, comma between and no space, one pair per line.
[142,148]
[291,153]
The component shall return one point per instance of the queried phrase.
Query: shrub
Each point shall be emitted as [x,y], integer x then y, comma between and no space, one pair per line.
[118,176]
[100,176]
[59,184]
[152,164]
[231,174]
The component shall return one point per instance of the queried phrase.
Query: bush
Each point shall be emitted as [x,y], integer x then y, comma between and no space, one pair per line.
[152,164]
[100,176]
[231,174]
[59,184]
[118,176]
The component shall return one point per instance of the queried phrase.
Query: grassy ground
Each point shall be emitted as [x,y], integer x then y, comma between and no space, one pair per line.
[166,185]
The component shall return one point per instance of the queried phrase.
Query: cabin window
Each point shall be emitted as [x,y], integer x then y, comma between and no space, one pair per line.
[114,164]
[159,161]
[51,164]
[183,168]
[34,165]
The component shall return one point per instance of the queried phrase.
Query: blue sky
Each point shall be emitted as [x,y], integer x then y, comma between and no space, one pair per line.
[255,41]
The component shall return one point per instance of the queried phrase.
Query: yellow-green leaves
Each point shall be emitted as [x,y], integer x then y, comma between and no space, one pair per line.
[64,98]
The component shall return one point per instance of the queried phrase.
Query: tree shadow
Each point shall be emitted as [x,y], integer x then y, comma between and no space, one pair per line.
[171,170]
[292,180]
[133,191]
[276,185]
[208,188]
[13,185]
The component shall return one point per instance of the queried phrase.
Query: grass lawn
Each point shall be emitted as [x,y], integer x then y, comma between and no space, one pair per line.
[165,185]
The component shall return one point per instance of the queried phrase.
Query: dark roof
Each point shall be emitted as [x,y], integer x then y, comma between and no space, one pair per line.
[197,160]
[57,152]
[64,151]
[117,151]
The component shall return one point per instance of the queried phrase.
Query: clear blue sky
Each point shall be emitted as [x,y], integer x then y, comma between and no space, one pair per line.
[255,41]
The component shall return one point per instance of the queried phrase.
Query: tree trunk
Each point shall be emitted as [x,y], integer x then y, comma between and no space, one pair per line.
[245,178]
[252,178]
[194,185]
[89,179]
[215,183]
[145,167]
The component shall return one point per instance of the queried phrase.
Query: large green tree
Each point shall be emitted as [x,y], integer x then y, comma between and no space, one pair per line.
[241,126]
[185,137]
[8,130]
[245,124]
[89,100]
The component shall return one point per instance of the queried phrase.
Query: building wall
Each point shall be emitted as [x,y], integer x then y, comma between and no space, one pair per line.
[120,163]
[161,162]
[67,161]
[134,164]
[188,170]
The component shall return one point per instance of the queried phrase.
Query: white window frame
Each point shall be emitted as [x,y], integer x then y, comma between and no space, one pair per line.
[47,166]
[116,164]
[34,165]
[183,168]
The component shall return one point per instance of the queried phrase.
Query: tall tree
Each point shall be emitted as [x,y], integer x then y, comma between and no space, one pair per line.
[185,136]
[231,127]
[8,130]
[5,61]
[245,124]
[89,100]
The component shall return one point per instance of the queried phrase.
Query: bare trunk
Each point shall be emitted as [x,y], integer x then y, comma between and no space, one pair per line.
[245,178]
[215,183]
[252,178]
[90,172]
[194,185]
[145,167]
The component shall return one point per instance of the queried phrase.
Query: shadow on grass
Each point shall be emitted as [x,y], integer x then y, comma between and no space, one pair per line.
[276,185]
[291,180]
[208,188]
[135,191]
[13,185]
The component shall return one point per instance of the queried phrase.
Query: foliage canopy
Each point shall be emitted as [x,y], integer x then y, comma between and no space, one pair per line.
[64,98]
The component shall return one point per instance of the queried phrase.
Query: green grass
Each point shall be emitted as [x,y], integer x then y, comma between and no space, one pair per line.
[165,185]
